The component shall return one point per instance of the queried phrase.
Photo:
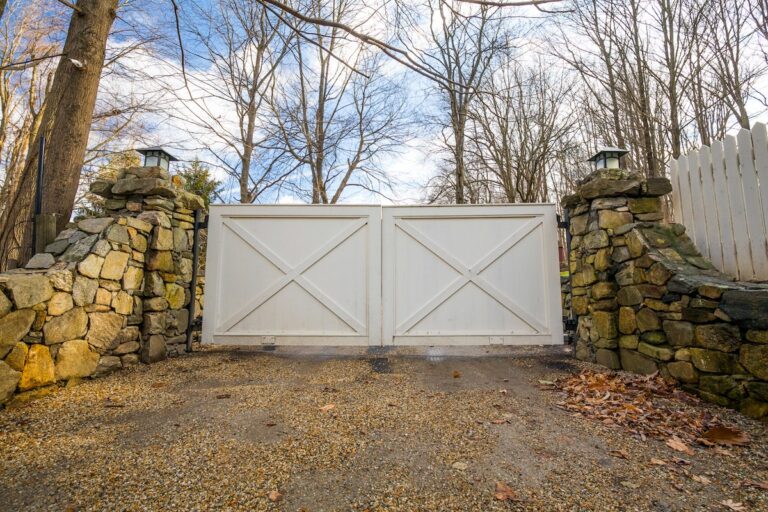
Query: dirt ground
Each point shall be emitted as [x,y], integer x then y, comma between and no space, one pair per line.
[230,429]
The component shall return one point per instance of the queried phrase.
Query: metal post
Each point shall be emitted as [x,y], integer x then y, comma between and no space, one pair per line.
[567,222]
[38,192]
[199,222]
[569,321]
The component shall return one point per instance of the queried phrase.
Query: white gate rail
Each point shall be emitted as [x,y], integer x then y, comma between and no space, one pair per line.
[720,194]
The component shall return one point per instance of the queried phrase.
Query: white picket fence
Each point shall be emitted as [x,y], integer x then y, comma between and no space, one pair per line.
[720,194]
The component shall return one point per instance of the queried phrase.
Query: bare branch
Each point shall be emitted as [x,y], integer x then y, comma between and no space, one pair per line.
[29,63]
[70,5]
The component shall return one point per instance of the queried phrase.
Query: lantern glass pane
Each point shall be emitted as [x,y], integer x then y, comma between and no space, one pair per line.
[151,161]
[164,163]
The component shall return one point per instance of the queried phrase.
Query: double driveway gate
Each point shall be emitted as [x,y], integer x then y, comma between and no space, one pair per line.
[372,275]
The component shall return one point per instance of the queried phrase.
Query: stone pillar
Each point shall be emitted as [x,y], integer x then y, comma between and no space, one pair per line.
[605,207]
[108,292]
[647,301]
[162,221]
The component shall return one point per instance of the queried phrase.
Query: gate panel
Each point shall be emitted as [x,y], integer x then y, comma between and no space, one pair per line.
[471,275]
[293,275]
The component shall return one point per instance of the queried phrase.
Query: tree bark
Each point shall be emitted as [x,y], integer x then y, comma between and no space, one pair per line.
[66,125]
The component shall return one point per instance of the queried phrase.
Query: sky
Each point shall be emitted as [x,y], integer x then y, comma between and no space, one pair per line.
[410,167]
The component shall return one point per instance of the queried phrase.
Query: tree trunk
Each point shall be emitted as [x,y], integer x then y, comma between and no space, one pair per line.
[66,125]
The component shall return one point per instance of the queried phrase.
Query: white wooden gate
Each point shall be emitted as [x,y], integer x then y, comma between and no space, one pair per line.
[296,275]
[471,275]
[439,275]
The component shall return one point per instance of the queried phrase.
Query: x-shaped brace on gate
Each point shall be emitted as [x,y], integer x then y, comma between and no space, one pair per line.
[469,275]
[295,275]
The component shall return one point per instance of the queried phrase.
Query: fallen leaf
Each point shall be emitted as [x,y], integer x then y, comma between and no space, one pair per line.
[158,385]
[645,406]
[701,479]
[392,404]
[456,374]
[274,496]
[503,492]
[270,424]
[223,395]
[726,436]
[677,444]
[503,391]
[658,462]
[328,407]
[621,454]
[681,462]
[722,451]
[110,402]
[733,505]
[630,485]
[546,382]
[757,485]
[499,422]
[461,466]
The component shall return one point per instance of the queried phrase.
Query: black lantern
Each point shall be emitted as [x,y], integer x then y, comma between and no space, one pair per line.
[608,158]
[157,157]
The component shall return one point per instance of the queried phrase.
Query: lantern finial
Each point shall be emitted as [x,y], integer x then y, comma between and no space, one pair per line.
[157,157]
[608,158]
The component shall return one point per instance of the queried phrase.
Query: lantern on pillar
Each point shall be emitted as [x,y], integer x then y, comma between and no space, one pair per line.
[157,157]
[608,158]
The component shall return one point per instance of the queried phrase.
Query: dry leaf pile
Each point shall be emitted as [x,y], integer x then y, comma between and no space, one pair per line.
[647,406]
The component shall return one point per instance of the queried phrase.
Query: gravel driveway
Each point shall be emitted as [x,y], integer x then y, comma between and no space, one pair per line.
[230,429]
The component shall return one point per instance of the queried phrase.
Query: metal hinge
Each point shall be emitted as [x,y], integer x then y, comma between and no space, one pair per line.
[202,223]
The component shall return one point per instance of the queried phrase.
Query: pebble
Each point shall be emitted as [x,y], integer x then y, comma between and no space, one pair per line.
[270,447]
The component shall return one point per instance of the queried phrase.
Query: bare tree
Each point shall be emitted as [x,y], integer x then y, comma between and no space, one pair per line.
[596,64]
[463,43]
[520,130]
[759,10]
[679,25]
[66,125]
[338,114]
[226,103]
[729,38]
[23,93]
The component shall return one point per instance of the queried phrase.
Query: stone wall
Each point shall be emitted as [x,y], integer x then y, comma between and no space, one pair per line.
[109,292]
[647,301]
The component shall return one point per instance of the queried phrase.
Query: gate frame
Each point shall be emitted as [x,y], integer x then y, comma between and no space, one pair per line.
[545,211]
[214,265]
[379,280]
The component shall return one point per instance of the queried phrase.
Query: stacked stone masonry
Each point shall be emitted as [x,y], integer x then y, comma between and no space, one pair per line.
[647,301]
[108,293]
